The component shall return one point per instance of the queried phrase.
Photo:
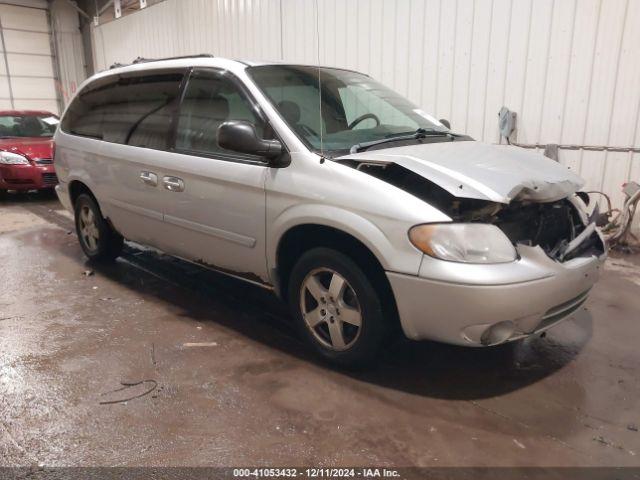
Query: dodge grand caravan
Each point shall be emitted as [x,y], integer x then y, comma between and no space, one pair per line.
[356,207]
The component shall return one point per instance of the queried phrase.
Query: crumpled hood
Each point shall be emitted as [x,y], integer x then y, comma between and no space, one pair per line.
[498,173]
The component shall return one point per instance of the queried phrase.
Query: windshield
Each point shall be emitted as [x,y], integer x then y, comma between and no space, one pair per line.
[27,125]
[350,108]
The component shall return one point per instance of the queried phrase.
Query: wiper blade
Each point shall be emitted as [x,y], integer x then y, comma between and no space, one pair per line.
[419,133]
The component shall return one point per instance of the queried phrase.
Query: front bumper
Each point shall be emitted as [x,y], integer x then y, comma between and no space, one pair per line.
[479,305]
[27,177]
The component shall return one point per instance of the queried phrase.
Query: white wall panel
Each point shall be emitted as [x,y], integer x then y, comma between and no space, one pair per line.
[68,49]
[4,88]
[26,65]
[26,104]
[28,42]
[28,78]
[24,18]
[30,88]
[569,68]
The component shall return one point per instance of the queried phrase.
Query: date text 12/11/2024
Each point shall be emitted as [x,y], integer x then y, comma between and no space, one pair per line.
[315,473]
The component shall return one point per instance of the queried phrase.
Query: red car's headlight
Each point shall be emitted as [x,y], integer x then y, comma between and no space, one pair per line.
[8,158]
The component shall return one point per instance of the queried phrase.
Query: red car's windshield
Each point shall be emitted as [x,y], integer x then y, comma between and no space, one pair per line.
[27,125]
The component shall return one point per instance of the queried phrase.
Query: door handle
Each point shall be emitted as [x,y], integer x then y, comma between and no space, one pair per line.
[149,178]
[173,184]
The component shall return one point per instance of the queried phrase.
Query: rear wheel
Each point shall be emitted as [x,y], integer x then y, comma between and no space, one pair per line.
[336,308]
[3,194]
[99,241]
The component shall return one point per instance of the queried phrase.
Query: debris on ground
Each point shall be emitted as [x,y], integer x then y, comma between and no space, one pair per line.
[202,344]
[600,439]
[632,427]
[125,386]
[88,273]
[519,444]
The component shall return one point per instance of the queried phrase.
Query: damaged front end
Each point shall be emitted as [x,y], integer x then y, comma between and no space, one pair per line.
[556,227]
[559,227]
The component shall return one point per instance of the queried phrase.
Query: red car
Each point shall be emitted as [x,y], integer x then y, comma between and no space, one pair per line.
[26,150]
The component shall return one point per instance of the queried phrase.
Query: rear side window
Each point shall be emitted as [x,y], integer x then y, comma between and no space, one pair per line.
[133,110]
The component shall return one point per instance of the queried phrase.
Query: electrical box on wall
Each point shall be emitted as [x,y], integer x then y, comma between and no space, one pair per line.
[506,122]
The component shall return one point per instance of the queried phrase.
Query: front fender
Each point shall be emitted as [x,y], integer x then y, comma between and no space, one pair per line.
[394,252]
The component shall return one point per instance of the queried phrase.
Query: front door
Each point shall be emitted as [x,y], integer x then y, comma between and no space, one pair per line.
[214,199]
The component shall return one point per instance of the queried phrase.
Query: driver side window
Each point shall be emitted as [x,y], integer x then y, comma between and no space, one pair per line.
[358,101]
[208,102]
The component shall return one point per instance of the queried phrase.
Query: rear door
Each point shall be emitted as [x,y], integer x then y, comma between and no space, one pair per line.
[132,115]
[214,199]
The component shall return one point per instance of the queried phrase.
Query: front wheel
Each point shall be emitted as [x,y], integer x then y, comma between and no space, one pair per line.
[337,309]
[99,241]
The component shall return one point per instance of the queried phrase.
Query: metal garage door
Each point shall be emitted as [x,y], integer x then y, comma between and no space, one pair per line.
[27,79]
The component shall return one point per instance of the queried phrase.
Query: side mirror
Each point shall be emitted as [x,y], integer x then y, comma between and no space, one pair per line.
[241,136]
[446,123]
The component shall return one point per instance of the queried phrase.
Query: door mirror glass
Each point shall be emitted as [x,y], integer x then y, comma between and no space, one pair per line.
[241,136]
[446,123]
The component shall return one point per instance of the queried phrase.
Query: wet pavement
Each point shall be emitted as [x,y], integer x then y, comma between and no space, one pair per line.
[221,379]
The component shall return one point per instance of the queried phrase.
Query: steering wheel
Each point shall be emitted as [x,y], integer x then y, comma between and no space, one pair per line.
[362,118]
[308,129]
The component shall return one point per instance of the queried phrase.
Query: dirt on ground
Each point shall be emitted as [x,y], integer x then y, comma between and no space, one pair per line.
[153,361]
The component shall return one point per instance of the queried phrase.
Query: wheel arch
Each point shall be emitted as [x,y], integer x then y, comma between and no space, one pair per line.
[77,188]
[304,237]
[333,228]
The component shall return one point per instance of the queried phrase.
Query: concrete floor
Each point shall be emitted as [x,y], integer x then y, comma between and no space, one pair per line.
[235,386]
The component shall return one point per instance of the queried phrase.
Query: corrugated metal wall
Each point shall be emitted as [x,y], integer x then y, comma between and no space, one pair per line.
[569,68]
[27,78]
[65,25]
[43,62]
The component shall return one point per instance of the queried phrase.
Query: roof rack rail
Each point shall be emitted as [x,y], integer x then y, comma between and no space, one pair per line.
[146,60]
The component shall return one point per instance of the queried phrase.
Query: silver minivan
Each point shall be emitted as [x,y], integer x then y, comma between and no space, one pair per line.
[360,210]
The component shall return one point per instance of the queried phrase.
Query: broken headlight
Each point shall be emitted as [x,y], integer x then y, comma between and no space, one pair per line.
[463,242]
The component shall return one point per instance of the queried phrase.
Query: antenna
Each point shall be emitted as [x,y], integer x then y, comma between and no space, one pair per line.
[319,78]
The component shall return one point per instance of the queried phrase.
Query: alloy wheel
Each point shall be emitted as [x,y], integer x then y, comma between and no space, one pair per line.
[330,309]
[88,228]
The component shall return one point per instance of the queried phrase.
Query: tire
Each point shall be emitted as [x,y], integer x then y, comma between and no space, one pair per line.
[99,241]
[3,194]
[335,309]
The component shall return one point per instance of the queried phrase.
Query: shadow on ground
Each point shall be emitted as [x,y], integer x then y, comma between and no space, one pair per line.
[423,368]
[31,197]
